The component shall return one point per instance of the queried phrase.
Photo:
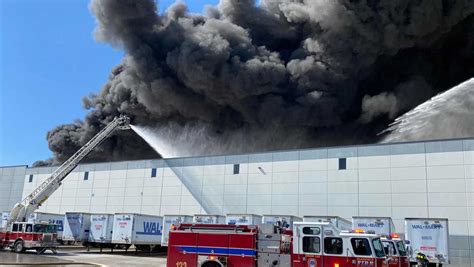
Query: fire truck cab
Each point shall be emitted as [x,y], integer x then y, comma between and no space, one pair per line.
[28,235]
[395,249]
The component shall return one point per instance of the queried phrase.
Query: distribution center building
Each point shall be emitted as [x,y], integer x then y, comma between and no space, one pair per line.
[417,179]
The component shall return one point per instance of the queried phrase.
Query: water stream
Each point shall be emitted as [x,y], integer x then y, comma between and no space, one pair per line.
[165,150]
[445,116]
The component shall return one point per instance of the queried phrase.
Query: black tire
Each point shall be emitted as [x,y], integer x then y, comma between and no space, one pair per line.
[142,247]
[19,246]
[210,264]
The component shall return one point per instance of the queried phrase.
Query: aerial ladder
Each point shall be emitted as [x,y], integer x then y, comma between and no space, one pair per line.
[22,210]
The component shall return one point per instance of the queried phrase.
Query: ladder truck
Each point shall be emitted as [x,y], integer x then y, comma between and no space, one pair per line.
[21,235]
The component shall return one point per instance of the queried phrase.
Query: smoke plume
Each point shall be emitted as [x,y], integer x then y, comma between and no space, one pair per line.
[274,75]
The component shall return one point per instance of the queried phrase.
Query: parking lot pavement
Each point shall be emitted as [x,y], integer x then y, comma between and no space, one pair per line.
[29,258]
[80,257]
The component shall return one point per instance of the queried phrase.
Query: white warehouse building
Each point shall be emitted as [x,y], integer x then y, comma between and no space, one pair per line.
[417,179]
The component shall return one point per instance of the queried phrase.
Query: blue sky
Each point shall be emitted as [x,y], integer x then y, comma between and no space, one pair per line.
[48,62]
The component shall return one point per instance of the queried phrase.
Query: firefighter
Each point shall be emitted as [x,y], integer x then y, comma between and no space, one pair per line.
[422,260]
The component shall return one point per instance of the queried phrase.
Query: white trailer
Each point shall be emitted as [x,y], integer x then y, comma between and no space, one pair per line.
[243,219]
[54,218]
[337,221]
[208,219]
[428,236]
[101,228]
[76,227]
[143,231]
[379,225]
[5,217]
[283,221]
[168,222]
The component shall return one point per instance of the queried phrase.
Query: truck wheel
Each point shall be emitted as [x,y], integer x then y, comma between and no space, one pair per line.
[19,246]
[211,264]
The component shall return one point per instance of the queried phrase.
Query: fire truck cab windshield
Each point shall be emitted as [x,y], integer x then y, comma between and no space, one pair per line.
[45,228]
[34,228]
[378,248]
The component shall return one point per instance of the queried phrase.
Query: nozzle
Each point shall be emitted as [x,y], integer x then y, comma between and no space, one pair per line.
[124,122]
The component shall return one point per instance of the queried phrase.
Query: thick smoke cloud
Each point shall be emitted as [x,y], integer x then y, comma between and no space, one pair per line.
[325,71]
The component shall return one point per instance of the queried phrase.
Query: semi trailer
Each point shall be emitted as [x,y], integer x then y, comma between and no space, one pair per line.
[428,240]
[100,230]
[208,219]
[5,217]
[283,221]
[379,225]
[170,221]
[76,227]
[243,219]
[142,231]
[337,221]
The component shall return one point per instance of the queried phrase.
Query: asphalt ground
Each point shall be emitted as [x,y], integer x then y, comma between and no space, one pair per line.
[79,256]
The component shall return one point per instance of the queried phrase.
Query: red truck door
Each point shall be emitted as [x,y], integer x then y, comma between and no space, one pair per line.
[179,247]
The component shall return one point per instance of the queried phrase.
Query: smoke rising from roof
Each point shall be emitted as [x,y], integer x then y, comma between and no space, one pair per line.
[282,74]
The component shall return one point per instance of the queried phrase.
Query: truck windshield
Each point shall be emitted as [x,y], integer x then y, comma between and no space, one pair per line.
[361,246]
[378,248]
[401,248]
[45,228]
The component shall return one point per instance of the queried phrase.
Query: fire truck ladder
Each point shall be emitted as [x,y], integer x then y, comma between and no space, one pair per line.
[33,201]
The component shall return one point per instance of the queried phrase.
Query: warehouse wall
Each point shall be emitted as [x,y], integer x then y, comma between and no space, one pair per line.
[11,186]
[421,179]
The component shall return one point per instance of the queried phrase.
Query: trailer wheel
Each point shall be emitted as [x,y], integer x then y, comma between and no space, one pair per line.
[142,247]
[19,246]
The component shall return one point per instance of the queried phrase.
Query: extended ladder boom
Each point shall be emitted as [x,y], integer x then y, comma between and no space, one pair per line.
[33,201]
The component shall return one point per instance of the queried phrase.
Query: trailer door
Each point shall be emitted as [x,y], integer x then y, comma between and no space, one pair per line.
[309,246]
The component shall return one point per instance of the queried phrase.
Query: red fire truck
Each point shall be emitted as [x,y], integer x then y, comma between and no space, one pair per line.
[395,248]
[309,244]
[27,235]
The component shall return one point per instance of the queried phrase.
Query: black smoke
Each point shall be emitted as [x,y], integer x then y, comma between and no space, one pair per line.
[330,72]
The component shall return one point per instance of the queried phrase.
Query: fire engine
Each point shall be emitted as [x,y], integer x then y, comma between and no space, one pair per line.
[308,244]
[28,235]
[20,235]
[394,246]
